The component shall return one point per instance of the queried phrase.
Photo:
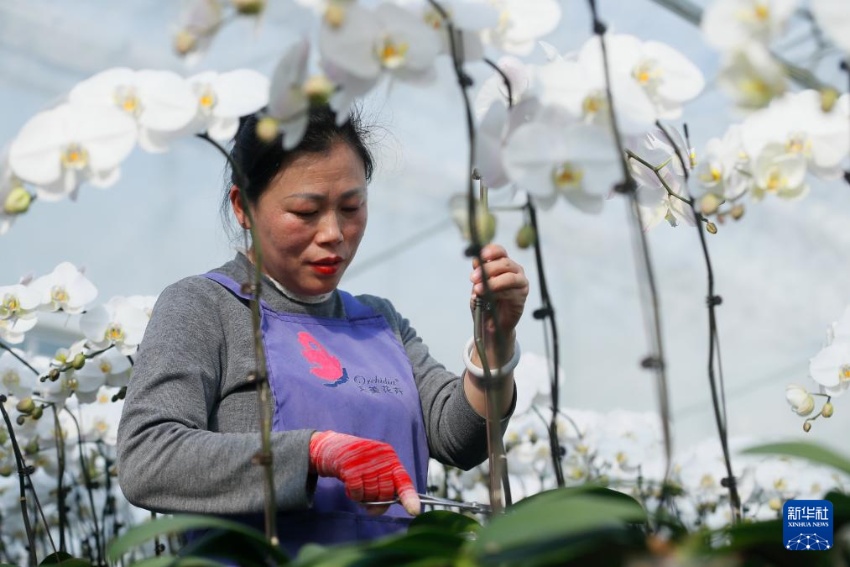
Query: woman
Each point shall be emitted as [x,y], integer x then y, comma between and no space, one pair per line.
[358,401]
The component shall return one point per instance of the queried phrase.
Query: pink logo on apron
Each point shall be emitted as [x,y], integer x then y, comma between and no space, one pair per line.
[323,364]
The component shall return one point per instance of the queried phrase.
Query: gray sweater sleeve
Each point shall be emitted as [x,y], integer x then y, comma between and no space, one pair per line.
[178,450]
[457,435]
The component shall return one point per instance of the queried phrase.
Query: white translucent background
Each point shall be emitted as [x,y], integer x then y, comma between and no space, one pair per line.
[783,270]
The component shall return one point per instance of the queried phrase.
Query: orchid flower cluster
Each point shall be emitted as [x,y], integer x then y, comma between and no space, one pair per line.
[830,369]
[623,450]
[747,31]
[67,407]
[112,331]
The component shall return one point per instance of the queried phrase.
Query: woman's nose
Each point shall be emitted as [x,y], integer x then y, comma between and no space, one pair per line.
[330,229]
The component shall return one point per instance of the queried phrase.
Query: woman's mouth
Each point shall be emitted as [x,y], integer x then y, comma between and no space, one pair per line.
[327,266]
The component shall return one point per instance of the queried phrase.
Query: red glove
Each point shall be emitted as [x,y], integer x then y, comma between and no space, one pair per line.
[370,469]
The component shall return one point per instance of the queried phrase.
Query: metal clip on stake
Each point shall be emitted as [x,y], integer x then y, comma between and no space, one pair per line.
[428,500]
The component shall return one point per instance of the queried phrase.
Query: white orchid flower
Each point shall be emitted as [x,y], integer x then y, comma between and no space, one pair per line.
[15,378]
[521,23]
[60,148]
[664,198]
[533,372]
[728,24]
[292,92]
[751,76]
[161,102]
[468,17]
[800,400]
[110,368]
[65,288]
[667,77]
[779,172]
[831,366]
[99,419]
[18,305]
[222,98]
[578,84]
[723,169]
[798,122]
[365,44]
[557,155]
[833,18]
[143,302]
[117,322]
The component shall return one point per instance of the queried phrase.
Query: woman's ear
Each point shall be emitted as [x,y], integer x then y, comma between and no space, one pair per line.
[238,210]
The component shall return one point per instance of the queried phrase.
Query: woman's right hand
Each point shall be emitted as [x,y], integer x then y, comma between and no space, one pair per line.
[370,470]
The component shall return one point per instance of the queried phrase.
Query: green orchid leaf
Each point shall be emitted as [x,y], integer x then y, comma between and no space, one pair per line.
[143,533]
[447,521]
[561,525]
[810,451]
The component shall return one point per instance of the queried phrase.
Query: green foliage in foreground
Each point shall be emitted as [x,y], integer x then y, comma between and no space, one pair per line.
[570,526]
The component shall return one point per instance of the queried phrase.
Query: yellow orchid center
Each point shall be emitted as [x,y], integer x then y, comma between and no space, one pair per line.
[127,100]
[10,307]
[103,399]
[713,175]
[75,156]
[59,295]
[775,181]
[761,11]
[582,449]
[433,18]
[105,366]
[707,481]
[567,176]
[70,385]
[844,373]
[576,473]
[335,14]
[593,103]
[780,484]
[114,333]
[798,143]
[101,426]
[207,99]
[646,72]
[391,53]
[621,458]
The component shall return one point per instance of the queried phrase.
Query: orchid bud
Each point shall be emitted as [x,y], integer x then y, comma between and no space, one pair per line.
[318,89]
[249,7]
[25,405]
[335,14]
[267,129]
[185,42]
[799,399]
[21,419]
[526,236]
[827,409]
[709,203]
[53,375]
[4,436]
[711,227]
[6,470]
[79,361]
[737,212]
[17,201]
[37,412]
[828,98]
[807,426]
[31,448]
[774,504]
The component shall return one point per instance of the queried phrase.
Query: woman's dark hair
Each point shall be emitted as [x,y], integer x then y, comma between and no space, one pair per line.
[260,161]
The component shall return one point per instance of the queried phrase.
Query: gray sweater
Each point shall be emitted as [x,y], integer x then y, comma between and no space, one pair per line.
[190,422]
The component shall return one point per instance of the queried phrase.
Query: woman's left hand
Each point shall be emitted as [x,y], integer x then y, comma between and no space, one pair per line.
[506,280]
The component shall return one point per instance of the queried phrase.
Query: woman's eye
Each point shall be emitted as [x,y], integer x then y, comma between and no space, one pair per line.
[351,209]
[304,213]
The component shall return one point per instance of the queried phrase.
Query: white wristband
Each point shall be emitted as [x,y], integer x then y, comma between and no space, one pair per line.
[478,372]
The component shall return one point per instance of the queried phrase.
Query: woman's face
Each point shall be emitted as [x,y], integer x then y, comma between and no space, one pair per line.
[310,219]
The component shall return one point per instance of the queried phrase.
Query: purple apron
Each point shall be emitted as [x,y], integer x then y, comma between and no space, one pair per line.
[349,375]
